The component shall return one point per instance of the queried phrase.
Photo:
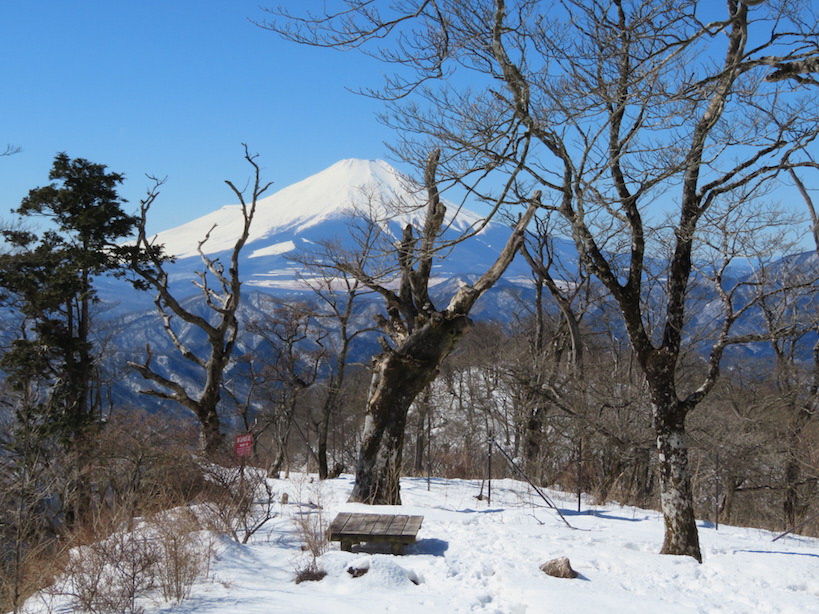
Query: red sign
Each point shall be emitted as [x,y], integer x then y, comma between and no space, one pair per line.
[244,445]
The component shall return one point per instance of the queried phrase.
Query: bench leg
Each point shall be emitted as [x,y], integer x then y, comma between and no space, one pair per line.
[397,548]
[346,545]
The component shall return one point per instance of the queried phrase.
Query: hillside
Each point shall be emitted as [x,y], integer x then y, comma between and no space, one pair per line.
[483,557]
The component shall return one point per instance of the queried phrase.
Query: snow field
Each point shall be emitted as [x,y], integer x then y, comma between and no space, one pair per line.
[479,557]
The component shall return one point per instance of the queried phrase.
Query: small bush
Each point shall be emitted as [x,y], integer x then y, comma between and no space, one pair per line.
[311,573]
[311,527]
[186,553]
[112,574]
[240,502]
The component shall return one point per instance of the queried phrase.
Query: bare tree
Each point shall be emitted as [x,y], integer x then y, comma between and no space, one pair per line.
[421,337]
[340,295]
[220,293]
[617,110]
[288,366]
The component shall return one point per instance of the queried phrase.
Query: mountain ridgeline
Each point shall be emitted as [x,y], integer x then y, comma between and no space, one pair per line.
[350,206]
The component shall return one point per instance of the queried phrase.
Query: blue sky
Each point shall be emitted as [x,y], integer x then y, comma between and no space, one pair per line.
[173,88]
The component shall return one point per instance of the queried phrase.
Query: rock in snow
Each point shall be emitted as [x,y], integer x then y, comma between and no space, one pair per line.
[559,568]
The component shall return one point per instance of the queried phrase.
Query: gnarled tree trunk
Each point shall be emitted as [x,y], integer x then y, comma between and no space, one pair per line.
[422,338]
[399,376]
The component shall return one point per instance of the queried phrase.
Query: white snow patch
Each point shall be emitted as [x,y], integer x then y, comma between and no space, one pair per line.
[348,186]
[274,250]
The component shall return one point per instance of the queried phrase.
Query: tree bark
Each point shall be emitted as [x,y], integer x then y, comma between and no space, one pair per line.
[399,376]
[676,498]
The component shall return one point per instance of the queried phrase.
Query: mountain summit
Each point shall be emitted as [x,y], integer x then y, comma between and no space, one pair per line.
[320,208]
[346,187]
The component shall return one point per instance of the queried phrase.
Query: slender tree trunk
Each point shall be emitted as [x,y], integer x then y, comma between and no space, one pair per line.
[424,409]
[533,434]
[676,495]
[330,407]
[793,471]
[321,448]
[399,376]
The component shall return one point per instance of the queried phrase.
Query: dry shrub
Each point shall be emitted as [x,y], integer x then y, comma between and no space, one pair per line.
[37,566]
[311,527]
[186,553]
[115,565]
[311,573]
[146,463]
[239,502]
[87,504]
[112,574]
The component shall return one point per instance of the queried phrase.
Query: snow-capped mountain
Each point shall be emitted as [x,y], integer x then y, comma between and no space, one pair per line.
[322,208]
[348,187]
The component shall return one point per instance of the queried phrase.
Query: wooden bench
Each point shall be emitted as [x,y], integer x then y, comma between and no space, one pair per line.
[395,529]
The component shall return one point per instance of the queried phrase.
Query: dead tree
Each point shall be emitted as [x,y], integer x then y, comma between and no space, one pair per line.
[220,292]
[339,294]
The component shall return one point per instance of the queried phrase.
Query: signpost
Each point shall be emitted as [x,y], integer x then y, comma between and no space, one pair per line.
[243,445]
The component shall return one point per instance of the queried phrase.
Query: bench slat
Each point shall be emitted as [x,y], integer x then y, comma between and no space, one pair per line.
[392,528]
[413,525]
[339,522]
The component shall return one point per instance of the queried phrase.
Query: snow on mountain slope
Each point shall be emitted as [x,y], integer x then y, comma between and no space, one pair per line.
[319,210]
[350,185]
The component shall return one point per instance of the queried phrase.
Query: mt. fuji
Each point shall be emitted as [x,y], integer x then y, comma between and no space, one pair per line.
[320,209]
[347,187]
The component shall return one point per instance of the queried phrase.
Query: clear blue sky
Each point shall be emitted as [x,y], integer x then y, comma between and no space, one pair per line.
[172,88]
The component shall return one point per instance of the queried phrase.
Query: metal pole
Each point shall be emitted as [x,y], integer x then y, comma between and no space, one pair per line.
[799,526]
[716,491]
[537,489]
[429,447]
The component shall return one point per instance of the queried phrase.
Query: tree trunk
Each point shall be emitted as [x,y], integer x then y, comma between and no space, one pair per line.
[424,409]
[321,448]
[533,434]
[793,472]
[327,411]
[676,495]
[399,376]
[211,439]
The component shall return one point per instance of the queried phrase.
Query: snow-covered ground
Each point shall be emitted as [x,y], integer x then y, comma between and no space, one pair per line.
[477,557]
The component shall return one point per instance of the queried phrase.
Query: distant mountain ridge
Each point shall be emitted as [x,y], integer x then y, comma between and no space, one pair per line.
[321,208]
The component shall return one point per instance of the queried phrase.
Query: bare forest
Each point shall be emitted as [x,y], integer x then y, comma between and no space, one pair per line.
[672,363]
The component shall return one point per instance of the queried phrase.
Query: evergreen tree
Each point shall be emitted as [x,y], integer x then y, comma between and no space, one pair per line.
[47,278]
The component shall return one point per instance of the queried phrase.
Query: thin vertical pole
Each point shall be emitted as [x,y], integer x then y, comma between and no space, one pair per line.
[579,472]
[716,491]
[429,447]
[489,472]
